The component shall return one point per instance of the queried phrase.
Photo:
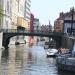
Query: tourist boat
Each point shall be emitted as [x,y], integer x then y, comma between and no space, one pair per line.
[51,52]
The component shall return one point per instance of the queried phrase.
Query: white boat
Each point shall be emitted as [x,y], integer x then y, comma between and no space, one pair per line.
[51,52]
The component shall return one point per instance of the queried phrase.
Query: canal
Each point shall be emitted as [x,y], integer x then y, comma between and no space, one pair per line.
[28,60]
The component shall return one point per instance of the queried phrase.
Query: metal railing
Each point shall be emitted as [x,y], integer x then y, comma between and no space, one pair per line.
[28,31]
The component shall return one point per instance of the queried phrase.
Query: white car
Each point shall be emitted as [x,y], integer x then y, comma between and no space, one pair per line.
[51,52]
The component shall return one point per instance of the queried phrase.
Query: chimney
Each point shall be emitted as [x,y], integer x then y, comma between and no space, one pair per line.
[61,14]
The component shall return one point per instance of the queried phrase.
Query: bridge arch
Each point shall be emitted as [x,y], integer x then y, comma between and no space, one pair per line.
[58,41]
[8,35]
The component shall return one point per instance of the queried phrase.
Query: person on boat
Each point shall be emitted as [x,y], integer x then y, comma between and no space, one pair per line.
[59,51]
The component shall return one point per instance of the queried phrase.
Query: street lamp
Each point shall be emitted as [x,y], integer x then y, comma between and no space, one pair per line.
[72,12]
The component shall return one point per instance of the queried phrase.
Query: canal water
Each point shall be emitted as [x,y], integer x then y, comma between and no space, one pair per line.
[28,60]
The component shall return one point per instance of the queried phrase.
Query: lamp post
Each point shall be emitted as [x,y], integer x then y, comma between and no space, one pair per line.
[72,11]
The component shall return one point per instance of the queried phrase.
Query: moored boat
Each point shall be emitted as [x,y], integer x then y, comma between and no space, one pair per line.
[51,52]
[66,61]
[67,64]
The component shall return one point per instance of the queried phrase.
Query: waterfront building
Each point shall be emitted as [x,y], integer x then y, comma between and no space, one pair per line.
[14,16]
[14,13]
[27,11]
[1,12]
[18,11]
[65,23]
[31,22]
[31,27]
[36,24]
[69,22]
[21,21]
[46,28]
[5,21]
[58,23]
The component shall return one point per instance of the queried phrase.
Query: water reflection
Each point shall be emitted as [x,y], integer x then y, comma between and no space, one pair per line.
[5,55]
[24,60]
[4,62]
[0,54]
[37,64]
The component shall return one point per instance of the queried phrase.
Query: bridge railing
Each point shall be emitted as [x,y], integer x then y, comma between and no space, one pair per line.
[8,30]
[28,31]
[15,30]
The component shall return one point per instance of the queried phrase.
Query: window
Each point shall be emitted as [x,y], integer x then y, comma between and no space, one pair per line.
[8,7]
[7,24]
[0,23]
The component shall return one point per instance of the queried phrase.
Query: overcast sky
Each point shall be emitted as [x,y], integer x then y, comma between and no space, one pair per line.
[47,10]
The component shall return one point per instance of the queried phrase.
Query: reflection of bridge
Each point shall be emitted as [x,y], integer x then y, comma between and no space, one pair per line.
[7,34]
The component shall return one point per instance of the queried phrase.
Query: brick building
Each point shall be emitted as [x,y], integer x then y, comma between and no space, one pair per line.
[31,22]
[64,22]
[58,24]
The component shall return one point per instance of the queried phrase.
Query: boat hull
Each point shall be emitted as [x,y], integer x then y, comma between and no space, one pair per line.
[66,65]
[51,52]
[51,55]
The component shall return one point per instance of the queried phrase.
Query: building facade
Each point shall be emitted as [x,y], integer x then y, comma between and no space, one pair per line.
[58,23]
[18,7]
[27,10]
[6,20]
[1,9]
[36,24]
[69,22]
[14,13]
[66,22]
[46,28]
[21,21]
[31,22]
